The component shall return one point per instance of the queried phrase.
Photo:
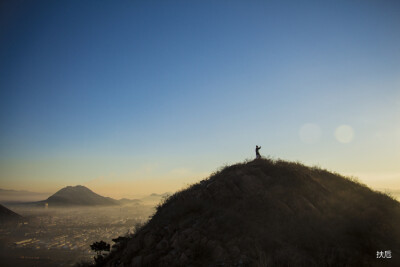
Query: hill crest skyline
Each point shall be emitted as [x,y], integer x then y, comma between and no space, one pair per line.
[266,213]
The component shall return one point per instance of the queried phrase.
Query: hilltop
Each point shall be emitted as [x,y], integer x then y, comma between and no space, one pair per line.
[78,196]
[267,213]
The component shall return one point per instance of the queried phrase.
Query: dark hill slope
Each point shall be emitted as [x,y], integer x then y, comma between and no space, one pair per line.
[8,216]
[78,196]
[268,213]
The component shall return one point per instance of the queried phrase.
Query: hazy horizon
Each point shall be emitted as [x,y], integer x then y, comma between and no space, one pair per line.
[147,188]
[137,98]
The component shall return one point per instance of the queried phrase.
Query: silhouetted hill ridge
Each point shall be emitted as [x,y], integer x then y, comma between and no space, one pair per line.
[8,216]
[268,213]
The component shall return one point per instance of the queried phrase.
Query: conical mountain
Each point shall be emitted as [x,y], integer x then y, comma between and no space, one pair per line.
[78,196]
[268,213]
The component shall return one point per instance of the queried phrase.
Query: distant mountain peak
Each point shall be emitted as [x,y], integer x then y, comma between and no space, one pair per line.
[79,196]
[76,188]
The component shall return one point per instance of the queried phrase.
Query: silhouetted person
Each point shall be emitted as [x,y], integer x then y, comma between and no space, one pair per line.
[258,156]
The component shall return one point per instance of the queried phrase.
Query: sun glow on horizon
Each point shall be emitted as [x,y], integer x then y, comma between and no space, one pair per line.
[147,96]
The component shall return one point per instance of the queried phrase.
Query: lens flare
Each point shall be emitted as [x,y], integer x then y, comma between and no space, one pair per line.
[344,133]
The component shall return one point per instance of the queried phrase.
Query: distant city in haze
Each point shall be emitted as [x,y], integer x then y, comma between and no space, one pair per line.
[143,97]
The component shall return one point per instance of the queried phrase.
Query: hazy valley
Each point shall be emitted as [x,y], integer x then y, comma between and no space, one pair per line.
[60,235]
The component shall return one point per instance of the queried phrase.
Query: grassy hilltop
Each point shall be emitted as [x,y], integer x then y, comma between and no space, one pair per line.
[267,213]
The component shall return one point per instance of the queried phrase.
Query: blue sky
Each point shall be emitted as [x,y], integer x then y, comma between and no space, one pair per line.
[154,91]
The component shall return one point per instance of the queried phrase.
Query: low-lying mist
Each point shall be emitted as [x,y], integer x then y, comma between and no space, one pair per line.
[56,236]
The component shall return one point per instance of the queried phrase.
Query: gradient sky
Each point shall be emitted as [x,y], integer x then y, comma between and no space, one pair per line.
[134,97]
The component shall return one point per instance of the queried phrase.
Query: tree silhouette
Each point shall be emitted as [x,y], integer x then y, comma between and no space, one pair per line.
[99,247]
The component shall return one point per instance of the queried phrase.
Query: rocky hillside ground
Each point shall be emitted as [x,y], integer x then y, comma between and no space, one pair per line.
[267,213]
